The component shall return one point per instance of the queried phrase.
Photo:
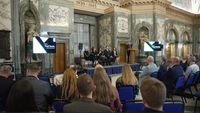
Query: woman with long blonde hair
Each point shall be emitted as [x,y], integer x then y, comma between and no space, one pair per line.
[128,77]
[69,86]
[105,93]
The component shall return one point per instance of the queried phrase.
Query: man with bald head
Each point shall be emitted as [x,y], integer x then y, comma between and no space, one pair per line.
[173,73]
[150,68]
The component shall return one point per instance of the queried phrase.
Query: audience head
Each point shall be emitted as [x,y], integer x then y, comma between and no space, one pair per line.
[69,85]
[98,65]
[164,59]
[73,67]
[32,70]
[85,85]
[128,77]
[21,98]
[104,93]
[6,71]
[175,60]
[192,59]
[150,59]
[153,93]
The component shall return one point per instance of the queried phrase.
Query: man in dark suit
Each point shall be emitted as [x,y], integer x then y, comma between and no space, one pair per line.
[42,91]
[172,74]
[163,68]
[86,104]
[5,84]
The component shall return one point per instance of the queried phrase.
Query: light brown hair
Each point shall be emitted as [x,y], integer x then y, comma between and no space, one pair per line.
[153,92]
[104,92]
[69,85]
[128,77]
[85,84]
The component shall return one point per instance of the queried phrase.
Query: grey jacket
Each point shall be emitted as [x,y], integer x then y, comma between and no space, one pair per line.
[42,92]
[86,105]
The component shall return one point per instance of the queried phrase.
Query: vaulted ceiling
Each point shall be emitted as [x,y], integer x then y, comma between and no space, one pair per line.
[192,6]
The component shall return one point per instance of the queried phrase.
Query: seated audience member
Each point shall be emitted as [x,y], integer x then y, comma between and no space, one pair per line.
[193,67]
[198,60]
[163,68]
[85,104]
[172,74]
[69,89]
[21,98]
[184,62]
[128,77]
[42,91]
[153,93]
[105,93]
[150,68]
[5,84]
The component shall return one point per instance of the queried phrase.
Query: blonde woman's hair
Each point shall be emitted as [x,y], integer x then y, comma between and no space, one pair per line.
[104,92]
[69,85]
[128,77]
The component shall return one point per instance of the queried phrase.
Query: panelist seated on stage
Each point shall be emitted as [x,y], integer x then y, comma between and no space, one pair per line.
[86,54]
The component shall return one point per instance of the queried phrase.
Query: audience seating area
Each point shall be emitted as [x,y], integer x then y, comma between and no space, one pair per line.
[127,93]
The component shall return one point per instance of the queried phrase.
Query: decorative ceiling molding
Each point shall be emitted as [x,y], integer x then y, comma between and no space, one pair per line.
[108,3]
[144,2]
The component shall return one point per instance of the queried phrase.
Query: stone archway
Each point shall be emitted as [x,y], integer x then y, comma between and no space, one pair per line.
[186,44]
[142,30]
[28,15]
[172,40]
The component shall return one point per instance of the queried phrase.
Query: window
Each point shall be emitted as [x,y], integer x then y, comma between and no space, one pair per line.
[81,35]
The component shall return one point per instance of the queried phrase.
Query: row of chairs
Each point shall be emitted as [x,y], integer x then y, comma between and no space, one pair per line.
[127,94]
[183,88]
[168,107]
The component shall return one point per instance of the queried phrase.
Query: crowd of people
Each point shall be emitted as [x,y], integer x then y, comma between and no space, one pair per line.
[92,93]
[104,57]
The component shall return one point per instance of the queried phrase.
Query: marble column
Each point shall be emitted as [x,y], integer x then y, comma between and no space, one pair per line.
[15,34]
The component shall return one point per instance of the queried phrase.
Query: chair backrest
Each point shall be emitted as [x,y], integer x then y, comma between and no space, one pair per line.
[133,106]
[126,92]
[173,107]
[58,105]
[179,83]
[189,80]
[44,78]
[197,77]
[154,74]
[168,107]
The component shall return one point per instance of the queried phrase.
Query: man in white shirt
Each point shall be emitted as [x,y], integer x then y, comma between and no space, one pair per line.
[150,68]
[193,67]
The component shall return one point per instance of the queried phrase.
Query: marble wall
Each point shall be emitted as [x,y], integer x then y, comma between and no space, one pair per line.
[56,16]
[5,15]
[106,30]
[122,28]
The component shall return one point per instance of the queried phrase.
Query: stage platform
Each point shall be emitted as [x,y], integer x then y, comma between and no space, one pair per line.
[113,69]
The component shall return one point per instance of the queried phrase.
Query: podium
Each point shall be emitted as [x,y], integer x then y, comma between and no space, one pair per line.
[132,57]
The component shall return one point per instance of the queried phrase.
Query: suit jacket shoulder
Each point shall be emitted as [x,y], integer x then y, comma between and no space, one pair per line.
[86,106]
